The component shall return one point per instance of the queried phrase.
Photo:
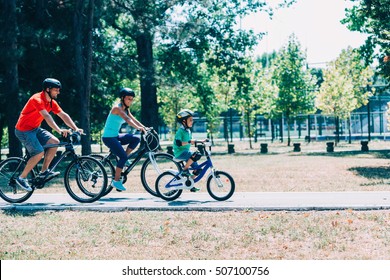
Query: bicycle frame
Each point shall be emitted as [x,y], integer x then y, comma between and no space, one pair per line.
[204,167]
[141,151]
[127,169]
[69,150]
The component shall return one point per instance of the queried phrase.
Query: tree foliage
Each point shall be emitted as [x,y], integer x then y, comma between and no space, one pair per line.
[373,18]
[294,84]
[345,85]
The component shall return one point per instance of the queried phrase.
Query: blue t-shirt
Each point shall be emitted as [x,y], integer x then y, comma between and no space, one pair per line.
[112,126]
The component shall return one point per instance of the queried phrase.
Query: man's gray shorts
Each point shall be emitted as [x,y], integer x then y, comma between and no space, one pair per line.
[34,140]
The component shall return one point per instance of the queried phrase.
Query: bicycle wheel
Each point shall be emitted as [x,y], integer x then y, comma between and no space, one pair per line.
[152,169]
[165,193]
[110,170]
[221,187]
[85,179]
[10,191]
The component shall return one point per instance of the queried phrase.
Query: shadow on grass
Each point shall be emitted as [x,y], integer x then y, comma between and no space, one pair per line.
[19,212]
[378,172]
[385,154]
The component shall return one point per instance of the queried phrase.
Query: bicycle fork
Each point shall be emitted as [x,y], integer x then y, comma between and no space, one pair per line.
[216,178]
[154,163]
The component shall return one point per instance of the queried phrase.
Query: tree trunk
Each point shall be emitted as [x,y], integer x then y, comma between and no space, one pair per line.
[248,123]
[337,131]
[288,132]
[149,108]
[86,95]
[12,76]
[349,130]
[83,69]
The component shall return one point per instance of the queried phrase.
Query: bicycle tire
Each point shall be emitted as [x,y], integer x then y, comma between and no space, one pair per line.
[217,192]
[166,194]
[110,170]
[149,174]
[81,178]
[9,189]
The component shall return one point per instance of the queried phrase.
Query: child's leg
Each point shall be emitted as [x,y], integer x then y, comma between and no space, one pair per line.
[188,164]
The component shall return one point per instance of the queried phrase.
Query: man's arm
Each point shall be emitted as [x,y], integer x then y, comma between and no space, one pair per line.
[69,122]
[50,121]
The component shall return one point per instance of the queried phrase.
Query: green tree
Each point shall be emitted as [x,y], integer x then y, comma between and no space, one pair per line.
[344,87]
[295,85]
[372,17]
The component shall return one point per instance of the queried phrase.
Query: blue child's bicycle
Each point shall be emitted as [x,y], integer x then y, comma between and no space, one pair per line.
[220,185]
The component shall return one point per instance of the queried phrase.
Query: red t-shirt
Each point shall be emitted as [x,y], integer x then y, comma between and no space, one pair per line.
[30,118]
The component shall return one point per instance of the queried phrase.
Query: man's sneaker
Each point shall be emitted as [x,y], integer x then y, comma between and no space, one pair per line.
[23,183]
[118,185]
[194,189]
[48,174]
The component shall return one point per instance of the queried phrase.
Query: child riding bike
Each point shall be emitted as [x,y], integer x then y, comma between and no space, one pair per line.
[182,144]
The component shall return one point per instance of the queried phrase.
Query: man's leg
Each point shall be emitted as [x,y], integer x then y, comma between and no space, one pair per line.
[31,164]
[49,154]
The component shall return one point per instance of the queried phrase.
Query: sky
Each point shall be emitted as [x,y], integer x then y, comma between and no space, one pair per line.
[316,23]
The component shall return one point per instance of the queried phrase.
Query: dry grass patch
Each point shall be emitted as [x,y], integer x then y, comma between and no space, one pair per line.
[196,235]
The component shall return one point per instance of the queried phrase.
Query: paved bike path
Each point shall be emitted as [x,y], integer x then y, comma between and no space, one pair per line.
[258,201]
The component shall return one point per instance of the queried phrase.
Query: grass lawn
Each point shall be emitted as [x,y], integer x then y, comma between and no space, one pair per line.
[226,235]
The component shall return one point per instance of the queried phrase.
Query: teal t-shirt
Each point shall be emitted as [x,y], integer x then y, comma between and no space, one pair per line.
[184,135]
[112,126]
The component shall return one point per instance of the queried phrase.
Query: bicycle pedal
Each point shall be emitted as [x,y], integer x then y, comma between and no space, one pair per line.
[40,186]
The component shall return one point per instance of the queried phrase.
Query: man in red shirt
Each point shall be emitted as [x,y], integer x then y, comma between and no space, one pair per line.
[33,137]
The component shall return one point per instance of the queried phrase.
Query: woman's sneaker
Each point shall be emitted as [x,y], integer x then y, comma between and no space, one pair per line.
[118,185]
[23,183]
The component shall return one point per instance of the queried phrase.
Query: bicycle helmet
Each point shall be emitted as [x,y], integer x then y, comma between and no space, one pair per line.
[126,92]
[183,115]
[51,83]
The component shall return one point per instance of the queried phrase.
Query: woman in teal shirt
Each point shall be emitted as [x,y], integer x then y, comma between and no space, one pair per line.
[119,115]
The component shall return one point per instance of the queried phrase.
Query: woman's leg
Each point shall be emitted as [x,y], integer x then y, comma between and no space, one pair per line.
[130,140]
[117,149]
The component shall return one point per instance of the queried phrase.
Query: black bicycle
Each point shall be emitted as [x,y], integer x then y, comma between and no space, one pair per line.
[154,164]
[85,178]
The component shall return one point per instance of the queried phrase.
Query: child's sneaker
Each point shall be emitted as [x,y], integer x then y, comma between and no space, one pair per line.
[185,173]
[196,172]
[194,189]
[118,185]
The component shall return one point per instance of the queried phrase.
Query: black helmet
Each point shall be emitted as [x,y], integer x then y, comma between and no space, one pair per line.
[183,115]
[126,92]
[51,83]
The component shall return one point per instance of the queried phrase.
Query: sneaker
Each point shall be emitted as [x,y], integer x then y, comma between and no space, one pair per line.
[185,173]
[23,183]
[48,174]
[194,189]
[118,185]
[196,172]
[128,162]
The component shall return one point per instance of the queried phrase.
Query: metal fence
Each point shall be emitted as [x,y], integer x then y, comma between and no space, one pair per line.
[363,125]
